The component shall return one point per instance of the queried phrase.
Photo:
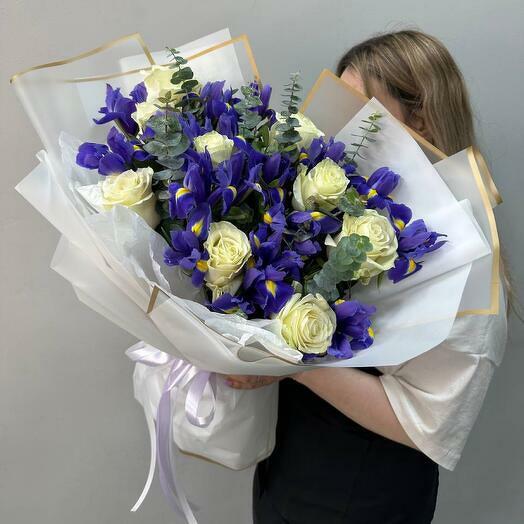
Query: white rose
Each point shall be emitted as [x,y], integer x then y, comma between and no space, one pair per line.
[307,129]
[322,186]
[229,250]
[218,146]
[382,236]
[308,323]
[131,189]
[158,81]
[144,111]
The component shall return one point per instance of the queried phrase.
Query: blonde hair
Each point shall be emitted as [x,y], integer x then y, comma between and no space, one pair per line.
[418,71]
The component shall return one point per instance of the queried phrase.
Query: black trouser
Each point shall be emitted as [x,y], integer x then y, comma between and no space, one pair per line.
[326,469]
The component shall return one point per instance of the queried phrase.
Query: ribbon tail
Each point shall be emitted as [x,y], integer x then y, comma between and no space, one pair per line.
[170,486]
[194,396]
[160,435]
[152,463]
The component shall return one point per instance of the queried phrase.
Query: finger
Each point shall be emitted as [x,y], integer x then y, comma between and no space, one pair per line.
[236,382]
[240,385]
[241,378]
[250,381]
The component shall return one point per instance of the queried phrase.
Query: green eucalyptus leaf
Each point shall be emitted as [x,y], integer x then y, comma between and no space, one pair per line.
[290,136]
[185,73]
[162,208]
[165,174]
[189,85]
[173,163]
[351,204]
[163,195]
[264,135]
[281,126]
[156,148]
[344,261]
[173,139]
[179,148]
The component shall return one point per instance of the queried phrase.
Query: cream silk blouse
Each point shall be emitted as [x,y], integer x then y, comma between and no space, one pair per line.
[438,395]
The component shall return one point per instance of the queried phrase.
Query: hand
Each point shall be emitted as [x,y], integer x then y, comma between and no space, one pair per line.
[250,381]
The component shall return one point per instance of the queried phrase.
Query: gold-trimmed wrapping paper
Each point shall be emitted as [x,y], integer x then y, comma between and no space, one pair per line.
[85,54]
[71,91]
[462,173]
[331,102]
[121,257]
[352,101]
[342,94]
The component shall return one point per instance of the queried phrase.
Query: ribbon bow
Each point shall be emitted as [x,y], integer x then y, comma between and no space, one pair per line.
[181,372]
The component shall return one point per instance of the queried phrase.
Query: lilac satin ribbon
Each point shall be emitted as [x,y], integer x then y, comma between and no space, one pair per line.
[181,372]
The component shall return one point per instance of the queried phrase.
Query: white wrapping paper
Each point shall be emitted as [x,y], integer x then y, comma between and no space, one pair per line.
[114,261]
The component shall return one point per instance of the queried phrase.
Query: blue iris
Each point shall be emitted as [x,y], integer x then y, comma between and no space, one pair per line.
[112,160]
[193,190]
[353,331]
[186,248]
[377,187]
[266,287]
[414,241]
[119,108]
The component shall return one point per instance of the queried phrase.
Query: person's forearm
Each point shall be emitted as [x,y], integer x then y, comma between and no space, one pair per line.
[360,396]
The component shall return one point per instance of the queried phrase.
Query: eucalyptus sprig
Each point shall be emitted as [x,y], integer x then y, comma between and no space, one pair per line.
[248,118]
[287,136]
[371,128]
[351,203]
[168,144]
[341,267]
[183,77]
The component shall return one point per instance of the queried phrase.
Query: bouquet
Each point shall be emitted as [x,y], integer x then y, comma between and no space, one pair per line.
[258,208]
[232,238]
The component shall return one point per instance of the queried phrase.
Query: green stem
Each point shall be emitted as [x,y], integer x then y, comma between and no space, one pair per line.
[364,137]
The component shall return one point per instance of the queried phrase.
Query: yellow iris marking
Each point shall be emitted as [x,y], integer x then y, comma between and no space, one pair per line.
[302,156]
[136,147]
[250,262]
[371,333]
[233,190]
[271,287]
[181,192]
[280,192]
[201,265]
[257,241]
[268,218]
[317,215]
[400,223]
[339,301]
[197,227]
[412,266]
[372,193]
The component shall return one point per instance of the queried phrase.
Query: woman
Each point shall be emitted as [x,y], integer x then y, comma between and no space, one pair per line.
[364,445]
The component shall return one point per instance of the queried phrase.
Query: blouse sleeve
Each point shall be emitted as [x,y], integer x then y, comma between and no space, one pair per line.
[437,396]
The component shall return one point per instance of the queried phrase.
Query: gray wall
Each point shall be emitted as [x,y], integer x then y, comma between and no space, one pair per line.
[73,442]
